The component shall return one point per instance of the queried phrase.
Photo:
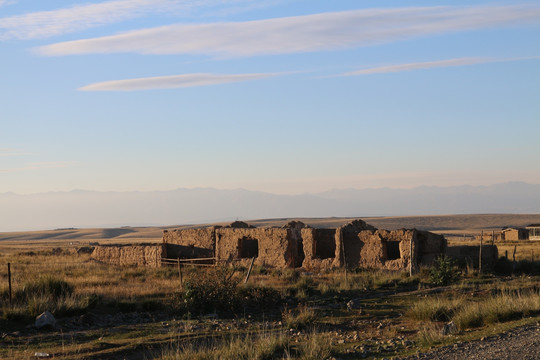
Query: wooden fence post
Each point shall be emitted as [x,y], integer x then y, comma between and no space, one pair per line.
[180,273]
[9,280]
[480,255]
[514,259]
[411,258]
[249,270]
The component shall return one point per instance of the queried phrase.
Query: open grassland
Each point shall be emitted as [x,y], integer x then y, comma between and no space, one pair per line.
[109,312]
[140,313]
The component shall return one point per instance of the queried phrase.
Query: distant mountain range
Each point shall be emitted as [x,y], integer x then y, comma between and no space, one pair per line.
[80,208]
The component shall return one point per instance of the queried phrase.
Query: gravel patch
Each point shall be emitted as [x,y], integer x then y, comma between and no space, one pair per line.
[521,343]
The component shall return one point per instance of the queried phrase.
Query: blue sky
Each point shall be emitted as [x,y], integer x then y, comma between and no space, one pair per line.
[272,95]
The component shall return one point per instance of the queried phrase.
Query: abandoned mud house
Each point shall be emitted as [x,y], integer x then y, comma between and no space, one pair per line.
[296,245]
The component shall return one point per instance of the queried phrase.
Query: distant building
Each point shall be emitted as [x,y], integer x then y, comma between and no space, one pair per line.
[512,234]
[534,231]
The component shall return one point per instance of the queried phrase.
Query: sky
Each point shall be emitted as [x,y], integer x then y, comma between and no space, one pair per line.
[282,96]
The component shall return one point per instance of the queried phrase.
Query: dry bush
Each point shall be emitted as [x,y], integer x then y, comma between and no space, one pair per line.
[299,319]
[434,309]
[499,308]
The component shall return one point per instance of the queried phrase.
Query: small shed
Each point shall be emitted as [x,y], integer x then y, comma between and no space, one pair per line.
[534,231]
[512,234]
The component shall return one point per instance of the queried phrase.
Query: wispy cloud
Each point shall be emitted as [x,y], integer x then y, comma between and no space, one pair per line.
[38,166]
[431,64]
[43,24]
[6,2]
[173,81]
[319,32]
[4,152]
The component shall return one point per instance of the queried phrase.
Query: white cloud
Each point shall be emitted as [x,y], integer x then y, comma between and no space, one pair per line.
[37,166]
[326,31]
[7,2]
[430,64]
[172,81]
[43,24]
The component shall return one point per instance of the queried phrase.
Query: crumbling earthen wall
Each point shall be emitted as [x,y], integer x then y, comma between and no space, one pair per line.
[382,249]
[199,237]
[310,238]
[469,255]
[130,255]
[356,244]
[273,245]
[430,246]
[190,243]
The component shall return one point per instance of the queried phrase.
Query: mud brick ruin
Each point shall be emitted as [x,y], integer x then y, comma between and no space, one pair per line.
[297,245]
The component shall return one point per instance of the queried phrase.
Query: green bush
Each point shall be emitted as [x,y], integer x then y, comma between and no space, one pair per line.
[210,291]
[444,272]
[217,290]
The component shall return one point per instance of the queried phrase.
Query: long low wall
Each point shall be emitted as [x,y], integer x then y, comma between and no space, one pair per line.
[130,255]
[294,245]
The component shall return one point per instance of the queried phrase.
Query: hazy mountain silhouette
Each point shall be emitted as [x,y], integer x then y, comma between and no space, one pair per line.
[80,208]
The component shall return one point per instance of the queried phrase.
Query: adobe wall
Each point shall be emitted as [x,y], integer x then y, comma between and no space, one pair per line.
[199,237]
[275,247]
[469,255]
[314,259]
[430,247]
[382,249]
[356,244]
[190,243]
[130,255]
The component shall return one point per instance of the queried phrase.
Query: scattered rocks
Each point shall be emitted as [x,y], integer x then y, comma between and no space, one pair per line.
[354,304]
[449,328]
[42,355]
[45,320]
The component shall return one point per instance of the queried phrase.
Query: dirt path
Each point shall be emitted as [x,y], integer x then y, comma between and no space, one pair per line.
[522,343]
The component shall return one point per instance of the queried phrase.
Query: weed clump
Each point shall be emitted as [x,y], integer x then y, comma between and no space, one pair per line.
[434,309]
[46,286]
[45,293]
[300,319]
[444,272]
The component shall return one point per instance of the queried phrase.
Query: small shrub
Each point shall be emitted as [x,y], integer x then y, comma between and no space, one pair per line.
[305,284]
[301,319]
[290,275]
[429,335]
[444,272]
[213,290]
[318,346]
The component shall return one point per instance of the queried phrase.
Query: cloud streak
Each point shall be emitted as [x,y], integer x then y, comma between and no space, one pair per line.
[430,65]
[299,34]
[5,152]
[173,81]
[37,166]
[43,24]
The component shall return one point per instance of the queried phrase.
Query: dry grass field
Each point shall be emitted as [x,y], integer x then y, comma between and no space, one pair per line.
[109,312]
